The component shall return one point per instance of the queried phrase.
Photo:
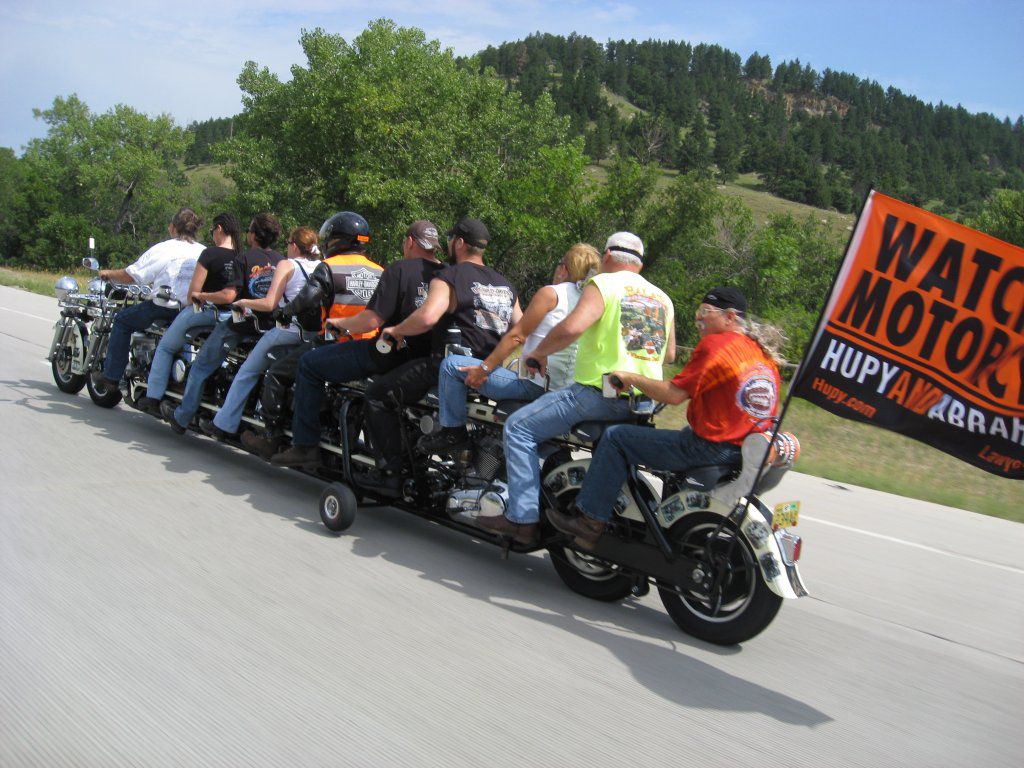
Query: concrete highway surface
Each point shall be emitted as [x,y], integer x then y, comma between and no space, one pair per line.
[171,601]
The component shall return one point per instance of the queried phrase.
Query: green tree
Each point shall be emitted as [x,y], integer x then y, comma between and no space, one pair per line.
[391,126]
[695,151]
[1002,216]
[114,176]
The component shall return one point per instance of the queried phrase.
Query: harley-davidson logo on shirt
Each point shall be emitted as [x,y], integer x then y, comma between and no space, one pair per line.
[362,283]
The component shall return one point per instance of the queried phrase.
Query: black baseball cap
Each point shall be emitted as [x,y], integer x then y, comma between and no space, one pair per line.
[473,231]
[726,297]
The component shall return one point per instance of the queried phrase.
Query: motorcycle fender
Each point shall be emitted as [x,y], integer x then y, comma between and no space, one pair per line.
[63,331]
[570,476]
[782,577]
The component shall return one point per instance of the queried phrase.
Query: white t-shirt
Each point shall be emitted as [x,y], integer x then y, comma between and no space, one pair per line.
[171,262]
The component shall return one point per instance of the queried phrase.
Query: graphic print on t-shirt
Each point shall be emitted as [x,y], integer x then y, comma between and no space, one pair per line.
[421,294]
[642,321]
[757,394]
[259,281]
[492,307]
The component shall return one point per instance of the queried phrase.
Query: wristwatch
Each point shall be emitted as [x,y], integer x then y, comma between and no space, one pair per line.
[484,367]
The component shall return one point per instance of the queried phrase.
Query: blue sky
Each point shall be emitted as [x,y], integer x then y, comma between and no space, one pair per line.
[183,58]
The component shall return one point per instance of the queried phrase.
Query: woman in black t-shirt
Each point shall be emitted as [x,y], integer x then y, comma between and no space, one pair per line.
[216,280]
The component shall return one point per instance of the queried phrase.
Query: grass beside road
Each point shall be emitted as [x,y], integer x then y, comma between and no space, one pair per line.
[834,448]
[40,282]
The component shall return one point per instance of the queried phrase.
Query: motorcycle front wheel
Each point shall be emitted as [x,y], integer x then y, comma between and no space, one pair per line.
[63,356]
[103,394]
[740,604]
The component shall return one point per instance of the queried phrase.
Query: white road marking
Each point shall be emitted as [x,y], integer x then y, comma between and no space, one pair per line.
[26,314]
[914,544]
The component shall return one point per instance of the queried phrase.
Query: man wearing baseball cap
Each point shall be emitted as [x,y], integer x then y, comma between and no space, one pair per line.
[622,322]
[732,383]
[402,288]
[468,296]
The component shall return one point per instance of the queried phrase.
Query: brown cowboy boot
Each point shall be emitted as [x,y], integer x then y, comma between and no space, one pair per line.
[523,533]
[586,530]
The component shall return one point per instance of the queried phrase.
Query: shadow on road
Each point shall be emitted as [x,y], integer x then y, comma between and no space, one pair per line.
[641,637]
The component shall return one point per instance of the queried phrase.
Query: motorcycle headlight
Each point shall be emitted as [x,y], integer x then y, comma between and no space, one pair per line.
[96,285]
[64,286]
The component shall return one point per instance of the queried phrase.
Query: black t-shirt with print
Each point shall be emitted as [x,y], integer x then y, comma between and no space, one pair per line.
[221,266]
[402,289]
[255,274]
[483,312]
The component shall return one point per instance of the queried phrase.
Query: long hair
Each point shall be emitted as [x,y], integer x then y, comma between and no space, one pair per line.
[769,337]
[230,226]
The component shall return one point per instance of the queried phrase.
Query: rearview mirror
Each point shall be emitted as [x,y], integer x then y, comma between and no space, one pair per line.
[90,263]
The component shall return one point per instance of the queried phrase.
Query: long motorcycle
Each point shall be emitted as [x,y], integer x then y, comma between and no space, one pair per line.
[721,559]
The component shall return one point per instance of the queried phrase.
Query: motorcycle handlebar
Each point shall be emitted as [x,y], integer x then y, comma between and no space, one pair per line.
[533,364]
[386,343]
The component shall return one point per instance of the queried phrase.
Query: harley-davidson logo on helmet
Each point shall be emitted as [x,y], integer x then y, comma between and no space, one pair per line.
[362,283]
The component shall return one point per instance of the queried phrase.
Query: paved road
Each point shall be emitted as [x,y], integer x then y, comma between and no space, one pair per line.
[169,601]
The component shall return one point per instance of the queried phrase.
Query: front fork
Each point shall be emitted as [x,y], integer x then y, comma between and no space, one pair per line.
[96,351]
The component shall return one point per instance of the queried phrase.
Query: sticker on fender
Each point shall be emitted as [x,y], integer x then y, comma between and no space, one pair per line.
[785,515]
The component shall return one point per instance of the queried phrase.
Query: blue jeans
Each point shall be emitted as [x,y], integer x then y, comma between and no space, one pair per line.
[501,384]
[171,344]
[336,363]
[230,414]
[549,416]
[211,356]
[625,444]
[137,317]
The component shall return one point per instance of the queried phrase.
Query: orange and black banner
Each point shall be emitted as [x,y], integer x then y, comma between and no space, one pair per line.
[923,334]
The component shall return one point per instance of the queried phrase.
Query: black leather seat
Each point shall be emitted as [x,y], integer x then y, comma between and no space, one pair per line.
[706,478]
[505,408]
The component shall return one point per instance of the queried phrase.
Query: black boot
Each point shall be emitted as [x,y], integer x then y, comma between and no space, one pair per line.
[448,440]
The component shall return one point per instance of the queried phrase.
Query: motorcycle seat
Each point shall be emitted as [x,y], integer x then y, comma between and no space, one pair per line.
[505,408]
[245,344]
[706,478]
[198,334]
[592,431]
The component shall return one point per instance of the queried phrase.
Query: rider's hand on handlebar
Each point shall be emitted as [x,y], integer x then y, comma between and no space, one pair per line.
[621,381]
[475,376]
[395,338]
[535,364]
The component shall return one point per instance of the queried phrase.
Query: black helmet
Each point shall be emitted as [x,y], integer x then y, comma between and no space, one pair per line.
[350,230]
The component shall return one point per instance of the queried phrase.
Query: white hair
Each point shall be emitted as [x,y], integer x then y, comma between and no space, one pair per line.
[769,337]
[625,258]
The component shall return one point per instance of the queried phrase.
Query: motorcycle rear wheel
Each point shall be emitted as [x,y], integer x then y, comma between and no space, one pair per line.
[102,393]
[741,606]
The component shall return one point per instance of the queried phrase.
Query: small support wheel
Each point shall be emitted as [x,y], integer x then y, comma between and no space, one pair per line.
[338,507]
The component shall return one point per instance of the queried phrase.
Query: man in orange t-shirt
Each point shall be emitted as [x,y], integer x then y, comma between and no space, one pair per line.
[733,388]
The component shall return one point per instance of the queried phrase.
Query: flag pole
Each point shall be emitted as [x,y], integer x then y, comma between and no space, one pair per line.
[810,342]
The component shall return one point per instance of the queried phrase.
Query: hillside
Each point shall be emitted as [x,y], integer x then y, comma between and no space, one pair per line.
[820,138]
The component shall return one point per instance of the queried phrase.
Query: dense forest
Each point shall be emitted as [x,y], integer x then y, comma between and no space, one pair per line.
[819,138]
